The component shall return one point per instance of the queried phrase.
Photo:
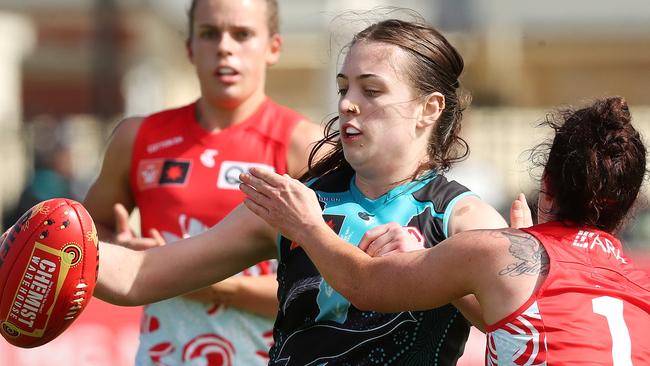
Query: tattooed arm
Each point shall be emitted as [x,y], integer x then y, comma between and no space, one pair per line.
[528,256]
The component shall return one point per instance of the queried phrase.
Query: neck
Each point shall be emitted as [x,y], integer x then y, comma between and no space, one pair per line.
[214,117]
[374,185]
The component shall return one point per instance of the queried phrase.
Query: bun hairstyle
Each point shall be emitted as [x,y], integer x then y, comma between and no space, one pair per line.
[596,163]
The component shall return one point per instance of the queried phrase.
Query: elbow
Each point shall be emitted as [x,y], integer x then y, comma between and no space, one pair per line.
[362,293]
[360,302]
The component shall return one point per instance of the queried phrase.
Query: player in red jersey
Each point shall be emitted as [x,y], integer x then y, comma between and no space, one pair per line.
[180,167]
[559,293]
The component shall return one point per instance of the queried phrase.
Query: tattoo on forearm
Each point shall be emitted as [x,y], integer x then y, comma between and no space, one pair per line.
[530,257]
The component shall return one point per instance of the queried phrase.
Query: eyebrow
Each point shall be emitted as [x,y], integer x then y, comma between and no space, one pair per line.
[360,77]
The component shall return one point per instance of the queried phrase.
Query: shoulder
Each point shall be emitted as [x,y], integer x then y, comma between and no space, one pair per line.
[125,132]
[302,140]
[471,212]
[442,193]
[306,132]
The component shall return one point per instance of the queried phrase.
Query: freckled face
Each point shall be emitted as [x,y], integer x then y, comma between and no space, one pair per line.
[382,129]
[231,48]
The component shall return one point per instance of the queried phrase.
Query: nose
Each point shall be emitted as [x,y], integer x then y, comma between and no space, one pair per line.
[348,107]
[225,46]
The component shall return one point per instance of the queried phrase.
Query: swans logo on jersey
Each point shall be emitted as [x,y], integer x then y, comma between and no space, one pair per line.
[157,172]
[207,157]
[230,170]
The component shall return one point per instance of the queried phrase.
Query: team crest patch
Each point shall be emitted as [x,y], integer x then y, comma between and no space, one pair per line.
[158,172]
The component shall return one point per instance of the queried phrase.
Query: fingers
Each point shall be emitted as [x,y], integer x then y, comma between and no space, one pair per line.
[121,218]
[141,243]
[253,194]
[257,209]
[381,244]
[268,176]
[520,215]
[372,235]
[155,235]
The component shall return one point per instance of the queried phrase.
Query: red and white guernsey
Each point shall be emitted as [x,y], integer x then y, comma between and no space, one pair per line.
[592,309]
[185,180]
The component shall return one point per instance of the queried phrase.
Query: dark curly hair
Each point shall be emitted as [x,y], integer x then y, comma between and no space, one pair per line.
[595,165]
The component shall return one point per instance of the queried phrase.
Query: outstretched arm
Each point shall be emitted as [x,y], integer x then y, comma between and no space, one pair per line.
[128,277]
[389,283]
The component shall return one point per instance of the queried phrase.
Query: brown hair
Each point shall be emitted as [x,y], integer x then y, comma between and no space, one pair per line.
[434,66]
[273,17]
[595,165]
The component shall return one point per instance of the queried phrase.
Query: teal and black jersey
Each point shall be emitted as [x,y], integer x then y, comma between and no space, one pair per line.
[318,326]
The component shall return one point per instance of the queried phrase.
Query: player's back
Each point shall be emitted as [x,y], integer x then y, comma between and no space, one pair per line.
[592,309]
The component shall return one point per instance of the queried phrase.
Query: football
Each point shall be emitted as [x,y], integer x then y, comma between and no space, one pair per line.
[48,270]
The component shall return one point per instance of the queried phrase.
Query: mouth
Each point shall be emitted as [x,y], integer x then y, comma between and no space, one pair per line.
[350,133]
[226,73]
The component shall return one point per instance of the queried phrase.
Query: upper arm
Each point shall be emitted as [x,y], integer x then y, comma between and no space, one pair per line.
[428,278]
[471,213]
[303,138]
[112,184]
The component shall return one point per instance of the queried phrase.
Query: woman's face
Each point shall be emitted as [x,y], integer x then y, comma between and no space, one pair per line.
[378,109]
[231,48]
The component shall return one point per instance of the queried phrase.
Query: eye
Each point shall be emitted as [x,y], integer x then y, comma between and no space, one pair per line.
[372,93]
[208,34]
[242,35]
[342,91]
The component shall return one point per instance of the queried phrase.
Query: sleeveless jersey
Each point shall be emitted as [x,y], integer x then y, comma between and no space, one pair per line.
[185,180]
[592,309]
[318,326]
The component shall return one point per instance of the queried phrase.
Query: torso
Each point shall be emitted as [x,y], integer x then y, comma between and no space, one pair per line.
[185,180]
[316,325]
[593,307]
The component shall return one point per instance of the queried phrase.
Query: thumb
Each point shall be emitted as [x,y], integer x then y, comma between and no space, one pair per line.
[155,234]
[121,219]
[520,216]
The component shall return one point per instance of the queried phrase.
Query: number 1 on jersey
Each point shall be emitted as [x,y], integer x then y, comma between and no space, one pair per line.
[612,309]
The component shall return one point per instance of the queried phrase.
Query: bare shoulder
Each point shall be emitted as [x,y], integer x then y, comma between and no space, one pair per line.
[526,255]
[112,184]
[471,213]
[303,138]
[514,252]
[125,132]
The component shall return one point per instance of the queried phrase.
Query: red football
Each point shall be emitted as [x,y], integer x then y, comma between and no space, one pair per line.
[48,270]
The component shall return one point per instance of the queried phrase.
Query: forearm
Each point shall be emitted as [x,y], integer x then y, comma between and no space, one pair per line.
[256,294]
[471,310]
[341,264]
[128,277]
[118,269]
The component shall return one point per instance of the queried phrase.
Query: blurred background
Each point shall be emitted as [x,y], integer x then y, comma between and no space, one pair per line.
[70,69]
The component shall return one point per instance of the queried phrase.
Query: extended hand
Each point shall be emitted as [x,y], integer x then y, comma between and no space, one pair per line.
[283,202]
[125,236]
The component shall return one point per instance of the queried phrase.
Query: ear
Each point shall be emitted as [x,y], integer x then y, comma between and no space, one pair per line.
[188,49]
[275,46]
[432,109]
